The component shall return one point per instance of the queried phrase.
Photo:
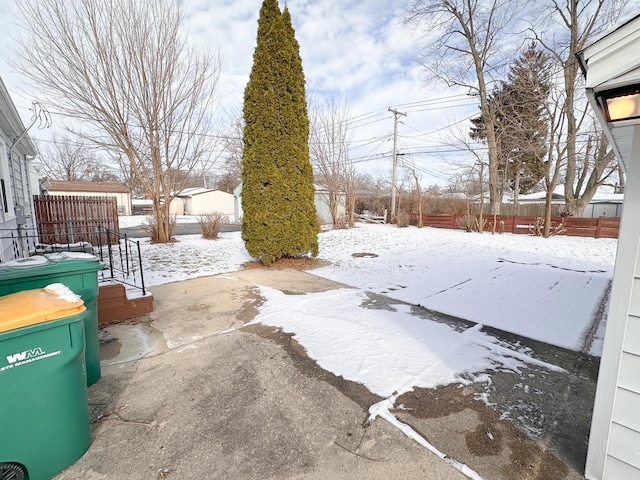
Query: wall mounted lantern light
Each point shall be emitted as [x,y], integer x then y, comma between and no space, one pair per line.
[621,103]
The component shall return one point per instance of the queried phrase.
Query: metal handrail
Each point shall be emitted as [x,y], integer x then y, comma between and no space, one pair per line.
[122,265]
[115,250]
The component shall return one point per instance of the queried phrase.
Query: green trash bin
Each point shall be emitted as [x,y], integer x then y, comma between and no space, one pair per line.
[44,412]
[79,272]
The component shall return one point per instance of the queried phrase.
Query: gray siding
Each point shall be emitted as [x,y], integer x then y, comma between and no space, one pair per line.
[618,470]
[623,455]
[623,446]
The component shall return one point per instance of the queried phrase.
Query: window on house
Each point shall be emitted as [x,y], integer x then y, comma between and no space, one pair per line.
[5,203]
[5,183]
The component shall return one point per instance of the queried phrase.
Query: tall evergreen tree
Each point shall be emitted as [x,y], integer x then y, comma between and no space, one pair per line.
[526,91]
[517,107]
[279,216]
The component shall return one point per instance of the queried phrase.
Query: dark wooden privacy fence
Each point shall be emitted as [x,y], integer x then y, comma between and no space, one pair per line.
[70,219]
[603,227]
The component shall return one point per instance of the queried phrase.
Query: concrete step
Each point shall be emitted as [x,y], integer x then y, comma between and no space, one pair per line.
[115,306]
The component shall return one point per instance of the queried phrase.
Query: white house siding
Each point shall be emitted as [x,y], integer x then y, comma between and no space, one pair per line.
[14,175]
[615,432]
[320,201]
[208,202]
[122,199]
[624,438]
[237,202]
[611,61]
[176,207]
[35,176]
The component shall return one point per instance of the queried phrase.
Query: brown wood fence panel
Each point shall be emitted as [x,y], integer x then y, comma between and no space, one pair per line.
[603,227]
[440,221]
[608,227]
[71,219]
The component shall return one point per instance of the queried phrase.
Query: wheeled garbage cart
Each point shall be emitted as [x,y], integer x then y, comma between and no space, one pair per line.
[44,412]
[79,272]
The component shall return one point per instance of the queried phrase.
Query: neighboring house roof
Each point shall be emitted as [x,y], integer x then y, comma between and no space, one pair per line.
[601,196]
[538,197]
[237,192]
[190,192]
[97,187]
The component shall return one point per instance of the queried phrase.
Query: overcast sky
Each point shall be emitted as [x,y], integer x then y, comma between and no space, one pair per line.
[357,49]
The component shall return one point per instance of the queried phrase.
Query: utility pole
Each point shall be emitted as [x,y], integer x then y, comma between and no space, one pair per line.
[396,114]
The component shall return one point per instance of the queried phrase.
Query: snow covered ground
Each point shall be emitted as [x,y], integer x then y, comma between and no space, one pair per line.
[547,289]
[554,290]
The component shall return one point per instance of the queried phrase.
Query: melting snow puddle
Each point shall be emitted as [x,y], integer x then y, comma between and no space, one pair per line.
[388,350]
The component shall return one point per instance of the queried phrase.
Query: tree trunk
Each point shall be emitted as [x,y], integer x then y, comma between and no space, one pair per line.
[333,207]
[546,231]
[487,116]
[516,192]
[481,216]
[415,177]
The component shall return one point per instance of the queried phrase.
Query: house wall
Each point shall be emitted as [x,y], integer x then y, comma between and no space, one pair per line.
[237,202]
[18,219]
[615,430]
[6,183]
[208,202]
[123,200]
[16,204]
[321,201]
[176,207]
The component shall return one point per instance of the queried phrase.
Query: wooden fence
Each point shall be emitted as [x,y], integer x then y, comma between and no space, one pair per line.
[71,219]
[603,227]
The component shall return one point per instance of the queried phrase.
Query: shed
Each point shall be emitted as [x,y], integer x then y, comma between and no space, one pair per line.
[94,189]
[320,201]
[603,203]
[200,201]
[611,66]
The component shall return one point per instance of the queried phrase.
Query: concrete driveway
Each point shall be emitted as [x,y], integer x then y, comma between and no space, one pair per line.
[190,392]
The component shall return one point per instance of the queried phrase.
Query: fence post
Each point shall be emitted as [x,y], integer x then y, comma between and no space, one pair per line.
[599,227]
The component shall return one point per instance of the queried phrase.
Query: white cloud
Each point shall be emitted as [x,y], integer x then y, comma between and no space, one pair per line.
[358,49]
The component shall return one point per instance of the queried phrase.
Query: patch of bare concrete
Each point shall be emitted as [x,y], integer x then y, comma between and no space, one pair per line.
[289,281]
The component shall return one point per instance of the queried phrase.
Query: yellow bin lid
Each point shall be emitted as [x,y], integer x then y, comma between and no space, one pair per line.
[30,307]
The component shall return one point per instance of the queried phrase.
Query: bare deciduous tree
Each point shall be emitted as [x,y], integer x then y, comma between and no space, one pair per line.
[329,142]
[352,185]
[566,28]
[555,154]
[132,83]
[466,40]
[67,159]
[231,174]
[411,167]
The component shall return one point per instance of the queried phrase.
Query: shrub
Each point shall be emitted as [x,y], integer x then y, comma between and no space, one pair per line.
[211,224]
[467,222]
[151,228]
[402,219]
